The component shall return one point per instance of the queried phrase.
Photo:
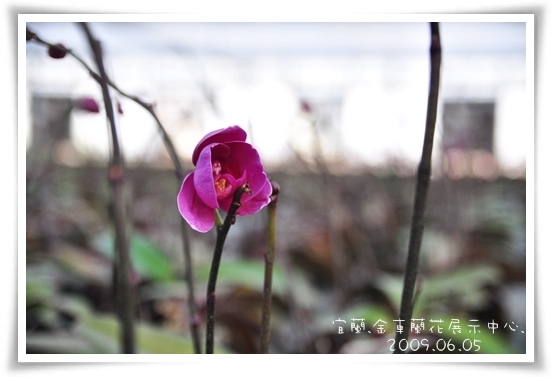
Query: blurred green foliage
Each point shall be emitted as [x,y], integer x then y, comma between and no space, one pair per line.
[148,260]
[473,252]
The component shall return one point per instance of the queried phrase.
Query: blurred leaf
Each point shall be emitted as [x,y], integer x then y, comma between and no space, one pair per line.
[153,340]
[50,309]
[56,343]
[103,332]
[249,274]
[39,289]
[147,259]
[501,223]
[370,313]
[464,286]
[84,264]
[75,305]
[391,286]
[43,316]
[163,290]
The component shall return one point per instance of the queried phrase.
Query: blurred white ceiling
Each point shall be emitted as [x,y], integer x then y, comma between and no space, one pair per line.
[250,39]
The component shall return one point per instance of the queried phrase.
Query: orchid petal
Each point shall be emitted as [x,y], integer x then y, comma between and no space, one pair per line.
[245,156]
[254,203]
[203,179]
[225,135]
[192,208]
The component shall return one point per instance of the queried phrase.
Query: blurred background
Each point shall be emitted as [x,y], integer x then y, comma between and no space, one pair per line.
[337,113]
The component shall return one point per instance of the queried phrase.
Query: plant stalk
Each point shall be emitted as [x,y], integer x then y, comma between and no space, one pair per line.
[180,175]
[125,302]
[268,271]
[421,189]
[221,234]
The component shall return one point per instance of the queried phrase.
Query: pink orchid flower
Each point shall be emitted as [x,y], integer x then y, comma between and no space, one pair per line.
[224,162]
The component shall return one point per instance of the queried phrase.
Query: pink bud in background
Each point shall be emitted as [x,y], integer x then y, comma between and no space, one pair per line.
[305,106]
[87,104]
[57,51]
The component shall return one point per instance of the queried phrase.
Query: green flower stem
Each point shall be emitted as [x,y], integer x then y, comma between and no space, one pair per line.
[218,222]
[421,189]
[268,270]
[221,234]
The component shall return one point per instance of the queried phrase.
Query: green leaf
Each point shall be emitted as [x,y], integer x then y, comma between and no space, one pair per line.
[103,332]
[370,313]
[249,274]
[147,259]
[83,264]
[464,286]
[39,290]
[56,343]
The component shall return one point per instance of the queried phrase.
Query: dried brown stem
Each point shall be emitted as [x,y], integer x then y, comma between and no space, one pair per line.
[268,272]
[180,175]
[125,300]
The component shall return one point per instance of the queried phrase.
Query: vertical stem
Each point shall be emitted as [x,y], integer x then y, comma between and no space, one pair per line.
[116,180]
[269,260]
[188,277]
[184,227]
[221,234]
[180,174]
[421,189]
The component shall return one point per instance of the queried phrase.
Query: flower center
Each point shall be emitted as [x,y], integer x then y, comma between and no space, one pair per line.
[216,167]
[223,188]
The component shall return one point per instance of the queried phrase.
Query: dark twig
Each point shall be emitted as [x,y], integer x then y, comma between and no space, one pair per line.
[221,234]
[180,171]
[421,190]
[268,270]
[184,227]
[116,179]
[180,175]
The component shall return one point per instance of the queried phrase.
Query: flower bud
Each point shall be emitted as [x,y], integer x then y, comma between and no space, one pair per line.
[87,104]
[305,107]
[57,51]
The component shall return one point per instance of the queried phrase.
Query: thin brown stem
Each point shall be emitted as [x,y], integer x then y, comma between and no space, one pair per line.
[180,175]
[180,171]
[421,189]
[268,272]
[116,179]
[184,227]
